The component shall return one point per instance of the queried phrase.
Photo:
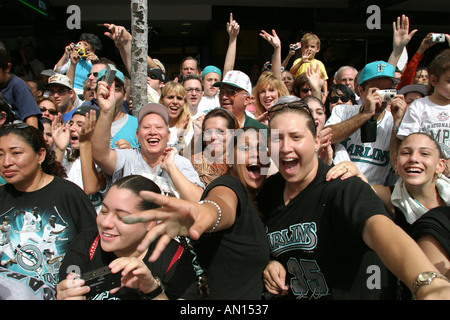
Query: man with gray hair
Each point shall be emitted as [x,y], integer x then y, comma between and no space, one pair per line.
[346,75]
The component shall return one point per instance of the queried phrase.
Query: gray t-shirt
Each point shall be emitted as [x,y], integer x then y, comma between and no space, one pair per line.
[130,161]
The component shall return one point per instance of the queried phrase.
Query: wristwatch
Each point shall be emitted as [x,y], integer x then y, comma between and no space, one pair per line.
[153,294]
[425,278]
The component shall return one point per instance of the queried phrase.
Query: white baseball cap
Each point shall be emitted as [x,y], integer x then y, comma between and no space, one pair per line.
[236,79]
[60,79]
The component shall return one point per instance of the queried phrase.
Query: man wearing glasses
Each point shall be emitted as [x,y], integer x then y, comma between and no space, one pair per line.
[235,92]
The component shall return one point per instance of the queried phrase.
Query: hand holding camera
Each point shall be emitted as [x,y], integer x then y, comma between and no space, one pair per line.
[437,37]
[387,95]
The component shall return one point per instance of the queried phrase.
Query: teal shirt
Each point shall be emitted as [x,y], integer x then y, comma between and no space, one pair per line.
[250,122]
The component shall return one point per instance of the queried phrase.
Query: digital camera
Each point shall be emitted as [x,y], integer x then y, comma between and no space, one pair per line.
[100,280]
[438,37]
[296,46]
[387,95]
[81,52]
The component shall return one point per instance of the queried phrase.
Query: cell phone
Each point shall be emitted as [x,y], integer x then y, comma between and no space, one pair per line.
[100,280]
[110,74]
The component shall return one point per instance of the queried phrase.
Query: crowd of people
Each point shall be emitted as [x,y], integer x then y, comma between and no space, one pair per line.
[296,185]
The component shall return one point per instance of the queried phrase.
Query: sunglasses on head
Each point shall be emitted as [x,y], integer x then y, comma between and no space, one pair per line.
[343,99]
[52,112]
[292,105]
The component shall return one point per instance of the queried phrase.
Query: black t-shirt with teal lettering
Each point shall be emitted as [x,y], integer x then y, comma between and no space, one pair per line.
[318,238]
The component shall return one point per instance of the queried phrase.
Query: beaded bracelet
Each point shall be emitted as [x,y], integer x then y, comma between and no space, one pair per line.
[219,217]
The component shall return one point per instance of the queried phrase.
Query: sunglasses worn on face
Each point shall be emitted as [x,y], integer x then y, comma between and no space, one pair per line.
[343,99]
[306,90]
[292,105]
[95,74]
[52,112]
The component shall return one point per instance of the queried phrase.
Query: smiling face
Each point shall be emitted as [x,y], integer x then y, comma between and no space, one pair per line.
[250,146]
[267,95]
[215,136]
[194,91]
[152,134]
[418,160]
[174,102]
[116,236]
[19,164]
[293,147]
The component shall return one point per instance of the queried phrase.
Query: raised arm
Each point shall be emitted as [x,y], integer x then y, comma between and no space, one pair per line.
[401,38]
[406,260]
[61,137]
[274,40]
[230,57]
[185,218]
[93,180]
[122,39]
[186,189]
[103,155]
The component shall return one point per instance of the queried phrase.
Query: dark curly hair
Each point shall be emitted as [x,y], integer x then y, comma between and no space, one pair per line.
[93,40]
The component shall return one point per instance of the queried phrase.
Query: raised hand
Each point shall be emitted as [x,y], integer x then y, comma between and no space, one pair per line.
[118,34]
[402,36]
[273,38]
[233,27]
[105,97]
[60,133]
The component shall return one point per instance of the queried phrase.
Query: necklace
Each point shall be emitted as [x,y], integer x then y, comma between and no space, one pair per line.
[43,182]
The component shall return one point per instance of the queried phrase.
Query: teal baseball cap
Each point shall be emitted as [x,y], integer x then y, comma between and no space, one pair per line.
[119,76]
[209,69]
[378,69]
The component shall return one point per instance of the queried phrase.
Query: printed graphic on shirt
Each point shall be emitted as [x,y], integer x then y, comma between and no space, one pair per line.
[33,242]
[305,277]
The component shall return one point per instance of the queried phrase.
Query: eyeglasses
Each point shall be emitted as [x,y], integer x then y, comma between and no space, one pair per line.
[343,99]
[52,112]
[306,90]
[292,105]
[217,132]
[95,74]
[229,92]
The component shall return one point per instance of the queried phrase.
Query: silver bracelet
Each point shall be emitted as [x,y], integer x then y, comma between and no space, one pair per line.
[219,217]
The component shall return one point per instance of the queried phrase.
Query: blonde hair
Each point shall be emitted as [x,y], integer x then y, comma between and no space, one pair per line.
[178,89]
[310,37]
[268,78]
